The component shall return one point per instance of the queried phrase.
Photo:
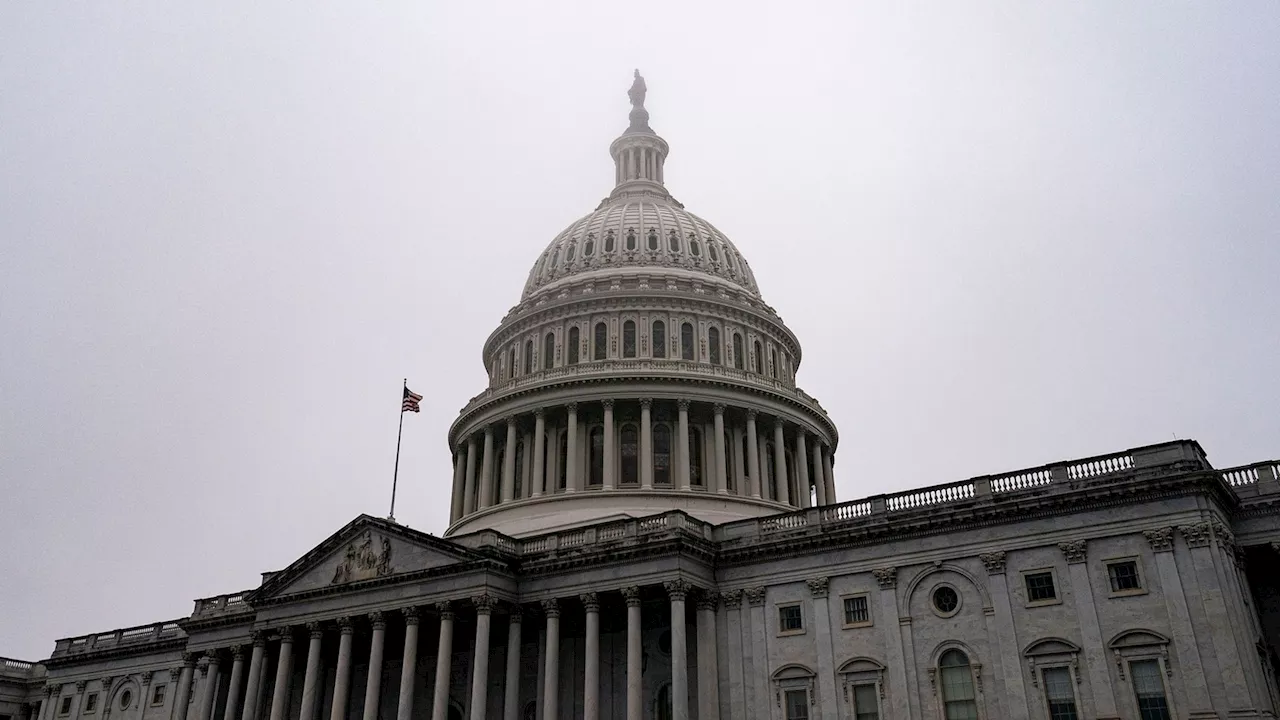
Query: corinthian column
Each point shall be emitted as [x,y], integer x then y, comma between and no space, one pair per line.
[480,662]
[646,447]
[572,473]
[609,441]
[207,696]
[634,658]
[342,677]
[284,668]
[182,697]
[373,686]
[753,456]
[780,463]
[486,470]
[511,684]
[444,663]
[591,676]
[677,590]
[509,463]
[408,665]
[539,450]
[819,482]
[722,463]
[459,485]
[708,662]
[233,689]
[551,677]
[253,687]
[802,469]
[683,458]
[469,490]
[310,680]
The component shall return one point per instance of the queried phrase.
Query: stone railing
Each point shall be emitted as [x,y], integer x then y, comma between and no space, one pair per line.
[231,603]
[609,532]
[118,638]
[1254,483]
[9,665]
[643,366]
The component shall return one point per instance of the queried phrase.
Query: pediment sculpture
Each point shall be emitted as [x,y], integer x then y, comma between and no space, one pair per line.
[363,560]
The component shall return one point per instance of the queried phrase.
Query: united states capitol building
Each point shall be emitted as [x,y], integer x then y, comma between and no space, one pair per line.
[644,524]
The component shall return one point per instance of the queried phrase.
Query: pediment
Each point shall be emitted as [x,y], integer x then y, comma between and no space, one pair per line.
[1137,638]
[1051,646]
[367,549]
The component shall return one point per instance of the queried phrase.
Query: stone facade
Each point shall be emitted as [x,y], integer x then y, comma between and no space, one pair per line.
[643,534]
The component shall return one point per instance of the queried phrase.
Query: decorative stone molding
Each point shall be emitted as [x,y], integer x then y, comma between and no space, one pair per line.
[237,652]
[607,404]
[411,615]
[145,678]
[1224,536]
[540,412]
[55,688]
[677,589]
[1196,535]
[646,403]
[106,682]
[571,407]
[484,603]
[551,608]
[203,666]
[174,674]
[755,596]
[345,625]
[718,408]
[994,562]
[444,609]
[751,414]
[378,620]
[682,404]
[887,577]
[515,613]
[80,686]
[591,601]
[731,598]
[1075,551]
[189,659]
[632,594]
[1161,539]
[708,600]
[818,586]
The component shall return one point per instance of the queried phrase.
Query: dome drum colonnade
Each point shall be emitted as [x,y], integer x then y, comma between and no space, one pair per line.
[641,364]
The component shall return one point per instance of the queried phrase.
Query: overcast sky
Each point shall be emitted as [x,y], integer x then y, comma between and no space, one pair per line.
[1005,233]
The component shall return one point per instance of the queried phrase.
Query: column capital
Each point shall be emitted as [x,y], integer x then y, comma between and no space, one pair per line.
[718,408]
[887,577]
[540,413]
[632,594]
[484,603]
[755,596]
[1196,535]
[106,682]
[145,678]
[571,407]
[1161,539]
[378,620]
[751,414]
[994,562]
[445,609]
[819,586]
[488,432]
[54,688]
[731,598]
[315,630]
[677,589]
[80,686]
[515,613]
[591,601]
[777,423]
[345,625]
[707,600]
[551,608]
[410,615]
[175,673]
[607,403]
[189,659]
[646,403]
[1076,551]
[286,636]
[237,652]
[682,404]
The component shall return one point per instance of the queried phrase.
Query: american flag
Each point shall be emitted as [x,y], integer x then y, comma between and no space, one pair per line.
[411,400]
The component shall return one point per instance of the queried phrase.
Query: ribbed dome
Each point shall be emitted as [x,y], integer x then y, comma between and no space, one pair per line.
[630,233]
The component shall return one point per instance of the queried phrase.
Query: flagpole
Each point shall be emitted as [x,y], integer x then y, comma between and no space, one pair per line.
[395,476]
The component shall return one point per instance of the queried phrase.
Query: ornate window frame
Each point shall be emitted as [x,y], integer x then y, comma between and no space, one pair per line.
[975,671]
[90,704]
[779,607]
[862,671]
[1139,644]
[871,617]
[793,677]
[933,605]
[1026,593]
[1050,653]
[1137,566]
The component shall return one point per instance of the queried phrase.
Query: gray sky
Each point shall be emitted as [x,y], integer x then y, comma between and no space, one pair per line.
[1006,234]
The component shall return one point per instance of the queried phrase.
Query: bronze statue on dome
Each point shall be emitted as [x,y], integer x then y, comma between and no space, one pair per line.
[637,91]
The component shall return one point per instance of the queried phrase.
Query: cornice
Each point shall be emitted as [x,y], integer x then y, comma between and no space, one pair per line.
[98,655]
[486,564]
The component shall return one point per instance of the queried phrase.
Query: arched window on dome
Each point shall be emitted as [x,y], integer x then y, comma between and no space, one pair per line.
[570,248]
[767,473]
[548,351]
[737,350]
[609,242]
[695,247]
[629,339]
[555,260]
[528,356]
[573,346]
[746,461]
[589,247]
[519,488]
[728,259]
[730,461]
[673,242]
[792,480]
[661,454]
[686,341]
[630,452]
[696,468]
[773,363]
[653,240]
[601,341]
[595,446]
[958,698]
[511,363]
[548,462]
[495,485]
[564,460]
[631,239]
[659,339]
[711,251]
[758,358]
[713,345]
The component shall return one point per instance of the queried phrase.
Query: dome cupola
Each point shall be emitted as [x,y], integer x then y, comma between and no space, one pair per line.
[640,372]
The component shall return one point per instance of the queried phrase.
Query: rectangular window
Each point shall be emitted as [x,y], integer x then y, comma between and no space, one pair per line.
[65,707]
[157,695]
[797,704]
[1059,694]
[1124,576]
[790,619]
[866,702]
[1040,586]
[1148,687]
[856,611]
[91,702]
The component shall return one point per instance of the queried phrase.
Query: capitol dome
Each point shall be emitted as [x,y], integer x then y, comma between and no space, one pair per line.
[640,372]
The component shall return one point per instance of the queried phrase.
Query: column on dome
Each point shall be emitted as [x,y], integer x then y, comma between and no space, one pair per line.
[572,471]
[780,463]
[526,468]
[829,477]
[539,450]
[408,665]
[591,673]
[609,451]
[311,679]
[342,676]
[683,444]
[635,660]
[480,658]
[509,463]
[551,677]
[233,686]
[486,469]
[469,489]
[721,463]
[284,672]
[802,468]
[753,456]
[677,590]
[444,663]
[736,444]
[373,686]
[459,485]
[819,480]
[511,683]
[646,444]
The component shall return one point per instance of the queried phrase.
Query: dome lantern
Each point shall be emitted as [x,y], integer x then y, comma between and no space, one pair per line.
[639,155]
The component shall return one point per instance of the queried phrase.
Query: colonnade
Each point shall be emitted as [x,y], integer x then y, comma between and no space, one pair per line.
[252,678]
[641,444]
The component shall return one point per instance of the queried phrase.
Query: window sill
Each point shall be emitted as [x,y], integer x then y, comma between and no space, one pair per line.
[1128,593]
[854,626]
[790,633]
[1044,603]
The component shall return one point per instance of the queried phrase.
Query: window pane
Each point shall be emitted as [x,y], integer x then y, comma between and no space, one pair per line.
[630,454]
[1059,694]
[789,618]
[866,702]
[695,456]
[602,341]
[597,457]
[661,454]
[713,345]
[548,351]
[1040,586]
[737,351]
[1124,576]
[629,339]
[1148,686]
[686,341]
[797,703]
[855,610]
[573,346]
[659,339]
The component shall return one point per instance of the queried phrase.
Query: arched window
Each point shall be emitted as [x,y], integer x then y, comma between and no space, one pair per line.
[520,490]
[661,453]
[737,350]
[569,251]
[673,242]
[629,339]
[564,460]
[713,345]
[548,351]
[548,462]
[609,242]
[555,259]
[959,702]
[686,341]
[602,341]
[589,247]
[659,339]
[759,357]
[573,346]
[696,474]
[511,363]
[631,239]
[730,461]
[662,709]
[630,455]
[528,357]
[767,473]
[596,446]
[495,485]
[711,250]
[773,363]
[789,462]
[695,247]
[653,240]
[746,461]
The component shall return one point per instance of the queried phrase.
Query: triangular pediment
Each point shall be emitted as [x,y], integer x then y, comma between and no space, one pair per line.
[367,549]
